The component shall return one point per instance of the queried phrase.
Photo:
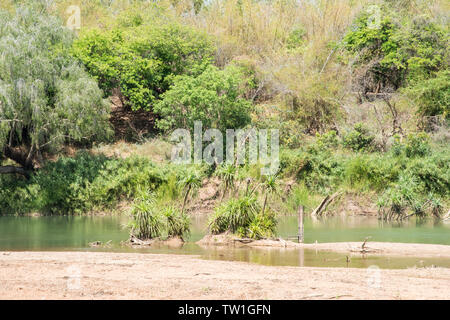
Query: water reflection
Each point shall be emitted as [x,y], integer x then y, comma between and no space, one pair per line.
[75,233]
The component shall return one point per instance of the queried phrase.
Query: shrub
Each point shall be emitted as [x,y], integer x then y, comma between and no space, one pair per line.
[243,216]
[417,145]
[359,139]
[150,222]
[371,171]
[432,96]
[408,194]
[80,184]
[213,97]
[141,58]
[262,226]
[146,222]
[177,222]
[327,140]
[402,51]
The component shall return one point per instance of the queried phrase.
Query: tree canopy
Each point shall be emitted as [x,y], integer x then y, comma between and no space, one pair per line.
[46,97]
[140,57]
[214,97]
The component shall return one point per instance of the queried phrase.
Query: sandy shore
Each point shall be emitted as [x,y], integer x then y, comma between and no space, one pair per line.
[99,275]
[375,248]
[386,248]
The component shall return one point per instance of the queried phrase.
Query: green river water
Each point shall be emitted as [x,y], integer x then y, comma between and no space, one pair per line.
[72,233]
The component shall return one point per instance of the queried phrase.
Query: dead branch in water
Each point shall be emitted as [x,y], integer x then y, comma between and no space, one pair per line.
[364,248]
[324,204]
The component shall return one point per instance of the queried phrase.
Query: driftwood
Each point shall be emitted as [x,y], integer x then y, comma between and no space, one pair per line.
[100,244]
[244,240]
[136,241]
[324,204]
[364,248]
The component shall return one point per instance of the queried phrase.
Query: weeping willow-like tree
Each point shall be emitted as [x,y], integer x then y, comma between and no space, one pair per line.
[46,97]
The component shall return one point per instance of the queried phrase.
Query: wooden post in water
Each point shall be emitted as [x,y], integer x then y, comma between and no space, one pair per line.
[300,224]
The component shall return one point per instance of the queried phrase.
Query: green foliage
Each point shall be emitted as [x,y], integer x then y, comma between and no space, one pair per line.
[213,97]
[170,190]
[177,222]
[411,49]
[262,226]
[374,172]
[190,179]
[417,145]
[403,52]
[146,222]
[227,173]
[319,169]
[408,195]
[149,221]
[359,139]
[432,96]
[295,38]
[142,58]
[243,216]
[300,195]
[414,145]
[46,98]
[327,140]
[270,184]
[422,182]
[234,214]
[80,184]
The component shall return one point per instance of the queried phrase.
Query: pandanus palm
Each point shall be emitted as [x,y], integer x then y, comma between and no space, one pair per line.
[228,174]
[189,182]
[270,186]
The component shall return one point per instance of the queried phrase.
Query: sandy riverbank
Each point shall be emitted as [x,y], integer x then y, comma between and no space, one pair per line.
[386,248]
[98,275]
[376,248]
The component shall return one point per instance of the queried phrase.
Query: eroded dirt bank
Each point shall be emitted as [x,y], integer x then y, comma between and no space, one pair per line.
[99,275]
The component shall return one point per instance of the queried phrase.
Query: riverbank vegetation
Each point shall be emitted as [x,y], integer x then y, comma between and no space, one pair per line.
[358,89]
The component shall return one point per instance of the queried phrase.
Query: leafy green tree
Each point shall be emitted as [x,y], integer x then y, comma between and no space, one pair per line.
[46,97]
[432,96]
[141,58]
[401,52]
[213,97]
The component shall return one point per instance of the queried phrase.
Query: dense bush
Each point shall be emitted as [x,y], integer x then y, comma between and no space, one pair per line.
[149,221]
[243,216]
[214,97]
[321,170]
[46,97]
[141,57]
[359,139]
[79,184]
[407,52]
[400,51]
[432,96]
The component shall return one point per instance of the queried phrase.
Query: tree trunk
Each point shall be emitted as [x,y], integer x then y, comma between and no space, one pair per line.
[185,198]
[14,170]
[25,159]
[264,205]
